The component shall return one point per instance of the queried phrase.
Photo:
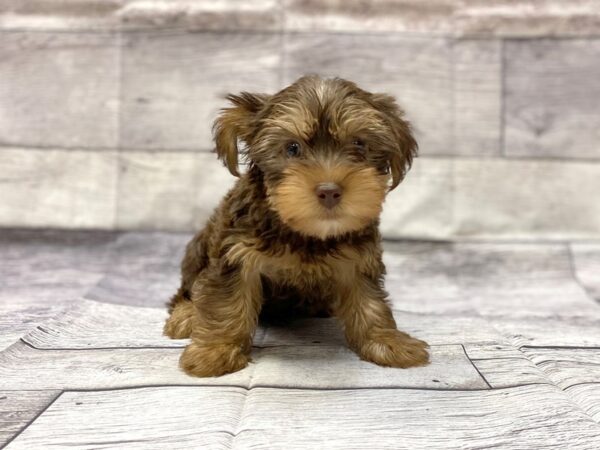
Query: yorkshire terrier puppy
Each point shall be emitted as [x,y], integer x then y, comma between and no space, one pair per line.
[299,230]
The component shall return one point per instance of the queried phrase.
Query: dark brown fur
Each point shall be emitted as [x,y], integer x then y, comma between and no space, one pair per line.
[270,246]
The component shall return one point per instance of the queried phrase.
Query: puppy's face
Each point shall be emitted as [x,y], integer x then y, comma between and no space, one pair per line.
[329,151]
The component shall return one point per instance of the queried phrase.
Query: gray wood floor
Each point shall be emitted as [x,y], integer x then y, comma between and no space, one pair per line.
[514,330]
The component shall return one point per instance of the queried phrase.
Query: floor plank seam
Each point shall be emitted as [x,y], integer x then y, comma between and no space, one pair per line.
[576,404]
[583,383]
[145,347]
[239,422]
[501,358]
[294,388]
[475,367]
[561,347]
[160,347]
[42,411]
[564,390]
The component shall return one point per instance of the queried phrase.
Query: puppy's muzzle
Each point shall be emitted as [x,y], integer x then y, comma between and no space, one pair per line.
[329,194]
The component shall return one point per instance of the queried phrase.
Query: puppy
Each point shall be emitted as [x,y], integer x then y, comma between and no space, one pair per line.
[299,230]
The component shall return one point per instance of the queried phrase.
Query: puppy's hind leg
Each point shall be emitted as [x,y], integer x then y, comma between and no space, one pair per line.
[179,324]
[181,308]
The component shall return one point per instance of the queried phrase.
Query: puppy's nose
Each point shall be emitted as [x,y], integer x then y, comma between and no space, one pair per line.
[329,194]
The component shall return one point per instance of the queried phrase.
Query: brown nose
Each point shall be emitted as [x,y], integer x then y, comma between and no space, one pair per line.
[329,194]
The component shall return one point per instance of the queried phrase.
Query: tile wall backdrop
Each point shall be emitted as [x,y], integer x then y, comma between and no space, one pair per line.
[106,107]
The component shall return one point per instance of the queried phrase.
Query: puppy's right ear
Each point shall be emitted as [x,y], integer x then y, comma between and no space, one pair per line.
[236,123]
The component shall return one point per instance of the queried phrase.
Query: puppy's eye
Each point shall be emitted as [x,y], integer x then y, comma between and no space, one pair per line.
[359,144]
[292,149]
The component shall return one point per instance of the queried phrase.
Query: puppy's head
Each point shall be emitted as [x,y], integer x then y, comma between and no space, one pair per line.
[329,151]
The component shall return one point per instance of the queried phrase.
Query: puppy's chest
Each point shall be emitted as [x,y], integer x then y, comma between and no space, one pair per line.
[297,268]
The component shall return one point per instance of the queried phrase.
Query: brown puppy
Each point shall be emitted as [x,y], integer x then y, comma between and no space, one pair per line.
[300,226]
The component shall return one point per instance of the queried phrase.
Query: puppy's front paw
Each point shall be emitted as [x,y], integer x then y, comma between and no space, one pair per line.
[212,360]
[392,348]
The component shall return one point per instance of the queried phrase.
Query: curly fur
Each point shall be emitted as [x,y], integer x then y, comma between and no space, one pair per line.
[272,247]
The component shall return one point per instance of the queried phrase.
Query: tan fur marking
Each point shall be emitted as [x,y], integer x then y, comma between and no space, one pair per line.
[363,192]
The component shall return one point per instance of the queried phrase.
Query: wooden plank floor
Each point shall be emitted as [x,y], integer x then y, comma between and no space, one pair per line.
[514,331]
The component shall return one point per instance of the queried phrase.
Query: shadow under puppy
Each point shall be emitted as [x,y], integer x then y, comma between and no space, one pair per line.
[300,227]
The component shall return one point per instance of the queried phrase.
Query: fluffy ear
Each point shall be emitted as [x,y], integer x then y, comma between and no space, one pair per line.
[236,123]
[402,155]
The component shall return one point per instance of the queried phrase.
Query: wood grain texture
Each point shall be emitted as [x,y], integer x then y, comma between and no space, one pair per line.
[586,260]
[477,18]
[532,416]
[174,83]
[42,273]
[354,15]
[437,198]
[91,324]
[216,15]
[497,304]
[73,15]
[508,372]
[568,366]
[550,98]
[71,261]
[587,396]
[174,417]
[521,281]
[575,370]
[100,369]
[477,88]
[504,189]
[436,330]
[337,367]
[143,270]
[170,190]
[59,89]
[19,408]
[422,205]
[543,332]
[528,18]
[493,280]
[489,265]
[69,188]
[130,15]
[306,367]
[20,314]
[526,417]
[421,278]
[98,325]
[553,299]
[495,351]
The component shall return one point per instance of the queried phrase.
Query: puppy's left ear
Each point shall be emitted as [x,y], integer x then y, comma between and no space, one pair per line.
[236,123]
[405,149]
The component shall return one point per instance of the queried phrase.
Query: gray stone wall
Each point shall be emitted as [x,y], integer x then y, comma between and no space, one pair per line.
[106,106]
